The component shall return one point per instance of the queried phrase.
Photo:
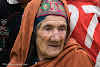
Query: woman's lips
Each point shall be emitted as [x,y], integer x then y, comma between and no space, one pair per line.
[54,45]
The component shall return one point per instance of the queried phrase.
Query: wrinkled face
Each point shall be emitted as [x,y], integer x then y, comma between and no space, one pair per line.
[51,36]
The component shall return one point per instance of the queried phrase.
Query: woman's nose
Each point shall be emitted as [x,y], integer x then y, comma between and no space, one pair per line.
[55,35]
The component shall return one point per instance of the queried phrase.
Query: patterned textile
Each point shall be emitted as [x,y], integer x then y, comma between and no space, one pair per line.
[51,7]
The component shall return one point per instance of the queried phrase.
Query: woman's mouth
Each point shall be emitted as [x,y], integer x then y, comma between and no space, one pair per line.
[54,45]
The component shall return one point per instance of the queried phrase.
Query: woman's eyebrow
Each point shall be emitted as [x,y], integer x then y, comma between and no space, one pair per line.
[62,25]
[47,25]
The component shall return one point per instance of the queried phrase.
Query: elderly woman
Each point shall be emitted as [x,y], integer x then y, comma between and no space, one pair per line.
[46,42]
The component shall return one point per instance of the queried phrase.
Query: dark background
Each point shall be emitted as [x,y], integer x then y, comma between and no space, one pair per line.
[12,13]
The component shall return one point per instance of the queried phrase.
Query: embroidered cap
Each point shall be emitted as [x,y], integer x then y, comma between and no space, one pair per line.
[51,7]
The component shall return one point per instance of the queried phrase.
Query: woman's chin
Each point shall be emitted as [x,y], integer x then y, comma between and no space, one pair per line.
[53,54]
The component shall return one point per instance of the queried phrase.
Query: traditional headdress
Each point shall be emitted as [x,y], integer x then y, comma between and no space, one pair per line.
[47,7]
[50,7]
[21,46]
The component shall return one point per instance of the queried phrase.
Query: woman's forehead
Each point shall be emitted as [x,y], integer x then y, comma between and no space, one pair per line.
[54,20]
[53,23]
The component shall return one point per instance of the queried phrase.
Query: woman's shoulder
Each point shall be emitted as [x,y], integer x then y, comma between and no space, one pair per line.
[72,46]
[78,55]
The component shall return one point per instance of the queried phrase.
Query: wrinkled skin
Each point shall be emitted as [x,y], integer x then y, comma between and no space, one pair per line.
[51,37]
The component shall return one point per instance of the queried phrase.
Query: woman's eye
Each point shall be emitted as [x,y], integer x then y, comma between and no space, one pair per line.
[62,29]
[48,28]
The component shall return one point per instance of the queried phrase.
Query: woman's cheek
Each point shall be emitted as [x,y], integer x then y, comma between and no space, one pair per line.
[45,35]
[63,35]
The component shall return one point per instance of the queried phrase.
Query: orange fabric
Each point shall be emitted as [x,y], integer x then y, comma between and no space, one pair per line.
[72,56]
[22,42]
[21,46]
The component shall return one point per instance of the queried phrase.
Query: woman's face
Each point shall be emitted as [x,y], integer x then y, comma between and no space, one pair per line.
[51,36]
